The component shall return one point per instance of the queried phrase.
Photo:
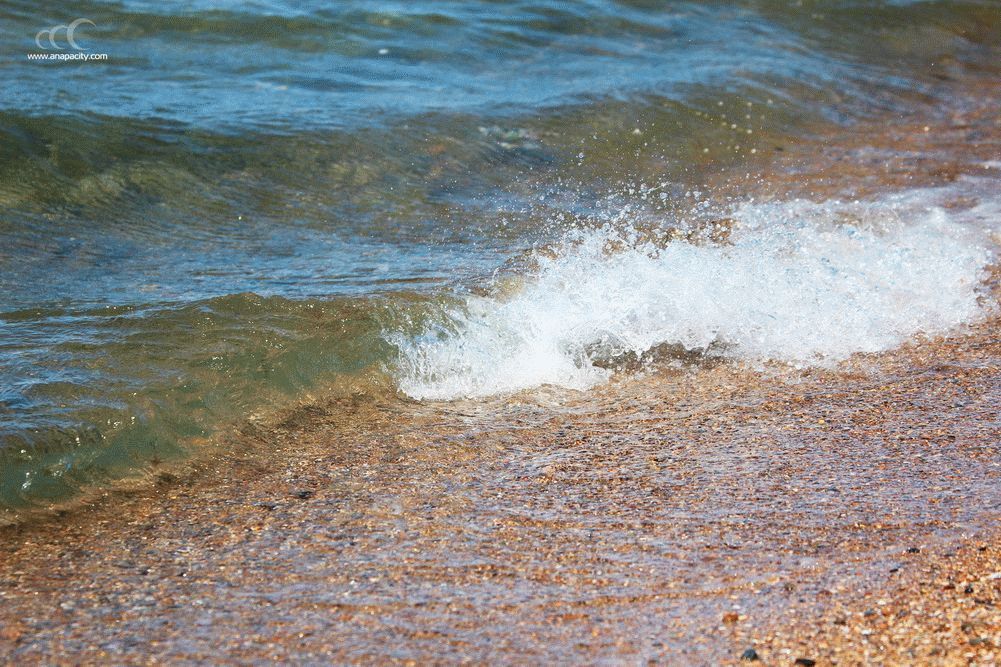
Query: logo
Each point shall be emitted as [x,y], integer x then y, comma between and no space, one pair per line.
[53,34]
[60,37]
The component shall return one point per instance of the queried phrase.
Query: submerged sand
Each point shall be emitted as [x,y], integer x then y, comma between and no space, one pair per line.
[692,515]
[834,516]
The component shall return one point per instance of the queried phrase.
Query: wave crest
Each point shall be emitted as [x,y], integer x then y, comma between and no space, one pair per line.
[799,282]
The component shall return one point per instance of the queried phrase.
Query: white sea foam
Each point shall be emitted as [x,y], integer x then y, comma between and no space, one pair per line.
[800,282]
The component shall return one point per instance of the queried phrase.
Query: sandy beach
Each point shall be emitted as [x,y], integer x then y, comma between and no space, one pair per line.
[845,517]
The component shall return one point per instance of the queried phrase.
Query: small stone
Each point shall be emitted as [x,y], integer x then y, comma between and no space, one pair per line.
[806,662]
[750,655]
[11,633]
[303,494]
[731,617]
[968,589]
[914,550]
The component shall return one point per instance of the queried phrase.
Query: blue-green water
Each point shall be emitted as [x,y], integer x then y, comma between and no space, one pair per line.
[250,201]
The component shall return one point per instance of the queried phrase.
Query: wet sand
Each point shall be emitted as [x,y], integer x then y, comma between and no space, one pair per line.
[685,515]
[849,516]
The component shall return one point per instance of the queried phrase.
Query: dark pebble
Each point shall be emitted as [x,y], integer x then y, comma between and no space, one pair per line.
[806,662]
[749,655]
[968,589]
[303,494]
[914,550]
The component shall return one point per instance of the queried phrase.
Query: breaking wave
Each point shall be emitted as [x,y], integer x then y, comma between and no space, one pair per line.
[799,282]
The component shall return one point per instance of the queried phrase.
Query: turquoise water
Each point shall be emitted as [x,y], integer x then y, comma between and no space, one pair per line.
[247,202]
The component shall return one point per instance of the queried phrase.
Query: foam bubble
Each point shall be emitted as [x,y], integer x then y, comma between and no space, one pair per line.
[800,282]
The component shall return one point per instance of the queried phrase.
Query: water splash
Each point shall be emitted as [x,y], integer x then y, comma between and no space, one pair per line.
[799,282]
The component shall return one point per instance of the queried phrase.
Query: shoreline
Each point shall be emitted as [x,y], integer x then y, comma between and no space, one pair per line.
[625,533]
[680,516]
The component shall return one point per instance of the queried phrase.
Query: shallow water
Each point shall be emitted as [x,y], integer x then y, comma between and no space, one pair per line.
[247,204]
